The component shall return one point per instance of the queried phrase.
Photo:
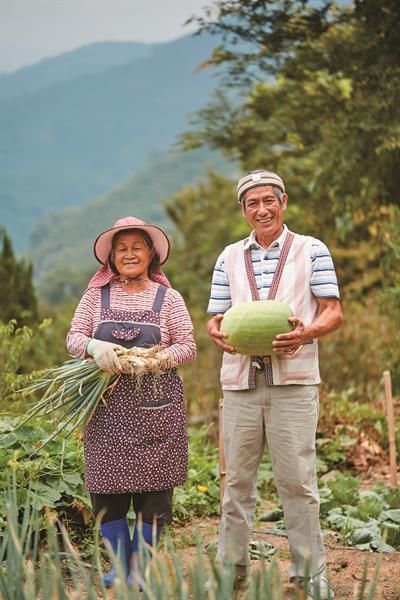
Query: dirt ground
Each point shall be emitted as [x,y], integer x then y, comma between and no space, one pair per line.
[345,565]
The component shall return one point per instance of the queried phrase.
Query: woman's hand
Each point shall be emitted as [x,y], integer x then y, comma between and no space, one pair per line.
[104,355]
[217,336]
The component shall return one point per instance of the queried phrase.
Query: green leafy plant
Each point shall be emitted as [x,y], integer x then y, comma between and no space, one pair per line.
[367,520]
[199,496]
[50,476]
[58,571]
[53,475]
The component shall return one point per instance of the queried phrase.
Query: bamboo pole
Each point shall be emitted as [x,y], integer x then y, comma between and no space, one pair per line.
[391,429]
[222,464]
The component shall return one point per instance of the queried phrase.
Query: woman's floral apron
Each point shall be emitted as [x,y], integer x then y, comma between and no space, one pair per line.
[137,442]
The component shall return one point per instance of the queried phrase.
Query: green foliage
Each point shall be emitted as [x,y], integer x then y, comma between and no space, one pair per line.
[367,520]
[355,356]
[53,474]
[259,34]
[70,395]
[331,452]
[63,286]
[23,350]
[64,574]
[336,87]
[343,421]
[200,216]
[49,477]
[17,299]
[390,296]
[199,496]
[15,344]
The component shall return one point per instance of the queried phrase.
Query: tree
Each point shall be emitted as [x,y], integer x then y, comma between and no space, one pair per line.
[334,101]
[328,122]
[17,299]
[200,215]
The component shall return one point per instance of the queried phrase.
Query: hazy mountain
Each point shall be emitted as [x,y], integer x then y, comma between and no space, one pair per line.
[94,58]
[66,238]
[82,130]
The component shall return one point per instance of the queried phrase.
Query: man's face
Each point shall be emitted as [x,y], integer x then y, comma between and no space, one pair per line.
[264,212]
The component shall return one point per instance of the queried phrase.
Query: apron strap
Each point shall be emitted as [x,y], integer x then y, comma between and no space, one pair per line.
[105,296]
[157,304]
[159,299]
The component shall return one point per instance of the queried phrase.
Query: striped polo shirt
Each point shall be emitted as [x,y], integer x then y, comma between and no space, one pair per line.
[323,281]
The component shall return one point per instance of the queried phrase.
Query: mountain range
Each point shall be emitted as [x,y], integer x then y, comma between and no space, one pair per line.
[66,238]
[75,127]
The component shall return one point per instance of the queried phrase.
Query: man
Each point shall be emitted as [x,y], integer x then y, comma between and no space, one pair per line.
[274,399]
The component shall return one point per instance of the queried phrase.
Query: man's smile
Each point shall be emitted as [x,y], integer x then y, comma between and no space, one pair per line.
[264,219]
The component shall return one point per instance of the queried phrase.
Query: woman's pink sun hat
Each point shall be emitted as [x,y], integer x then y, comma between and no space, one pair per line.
[103,243]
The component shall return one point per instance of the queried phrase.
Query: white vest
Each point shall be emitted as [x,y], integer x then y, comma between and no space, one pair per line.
[294,289]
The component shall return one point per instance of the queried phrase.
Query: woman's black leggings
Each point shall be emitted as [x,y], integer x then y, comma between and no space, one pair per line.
[150,504]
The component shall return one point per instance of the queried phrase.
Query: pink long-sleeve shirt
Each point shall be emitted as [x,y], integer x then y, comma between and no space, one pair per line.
[175,323]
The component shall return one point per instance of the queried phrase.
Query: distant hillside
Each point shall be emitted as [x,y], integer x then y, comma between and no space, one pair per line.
[67,238]
[74,139]
[94,58]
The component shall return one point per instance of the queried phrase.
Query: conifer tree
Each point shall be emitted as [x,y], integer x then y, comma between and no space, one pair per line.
[17,298]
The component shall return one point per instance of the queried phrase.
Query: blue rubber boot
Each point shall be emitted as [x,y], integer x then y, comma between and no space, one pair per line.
[147,535]
[138,558]
[117,533]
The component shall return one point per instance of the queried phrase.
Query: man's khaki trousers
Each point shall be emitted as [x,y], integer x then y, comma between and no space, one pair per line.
[285,417]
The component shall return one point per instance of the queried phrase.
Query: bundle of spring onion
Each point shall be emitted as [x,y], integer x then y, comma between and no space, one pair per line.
[73,390]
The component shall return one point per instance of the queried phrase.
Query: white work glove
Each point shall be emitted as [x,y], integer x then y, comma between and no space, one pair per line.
[105,356]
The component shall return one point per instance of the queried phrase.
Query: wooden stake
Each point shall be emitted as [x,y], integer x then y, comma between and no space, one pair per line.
[391,429]
[222,465]
[207,413]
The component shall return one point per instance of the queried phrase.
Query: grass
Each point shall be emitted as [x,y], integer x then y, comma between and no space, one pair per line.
[55,569]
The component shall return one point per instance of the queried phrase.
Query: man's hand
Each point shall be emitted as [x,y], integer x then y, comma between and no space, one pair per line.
[217,336]
[288,343]
[330,318]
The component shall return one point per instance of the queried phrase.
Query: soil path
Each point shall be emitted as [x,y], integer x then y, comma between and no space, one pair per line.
[345,565]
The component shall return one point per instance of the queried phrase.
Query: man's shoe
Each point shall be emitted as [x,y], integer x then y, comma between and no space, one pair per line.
[240,586]
[320,589]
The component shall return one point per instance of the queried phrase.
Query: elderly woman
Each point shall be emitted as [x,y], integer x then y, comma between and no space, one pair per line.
[135,445]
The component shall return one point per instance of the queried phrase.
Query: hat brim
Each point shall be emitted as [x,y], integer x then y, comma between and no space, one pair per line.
[103,244]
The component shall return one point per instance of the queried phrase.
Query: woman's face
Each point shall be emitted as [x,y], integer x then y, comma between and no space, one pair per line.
[132,256]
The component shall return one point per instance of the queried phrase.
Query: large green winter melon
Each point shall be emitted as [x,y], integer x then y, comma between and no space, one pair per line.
[253,326]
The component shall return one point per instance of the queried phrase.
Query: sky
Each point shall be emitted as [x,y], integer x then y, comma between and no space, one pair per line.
[31,30]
